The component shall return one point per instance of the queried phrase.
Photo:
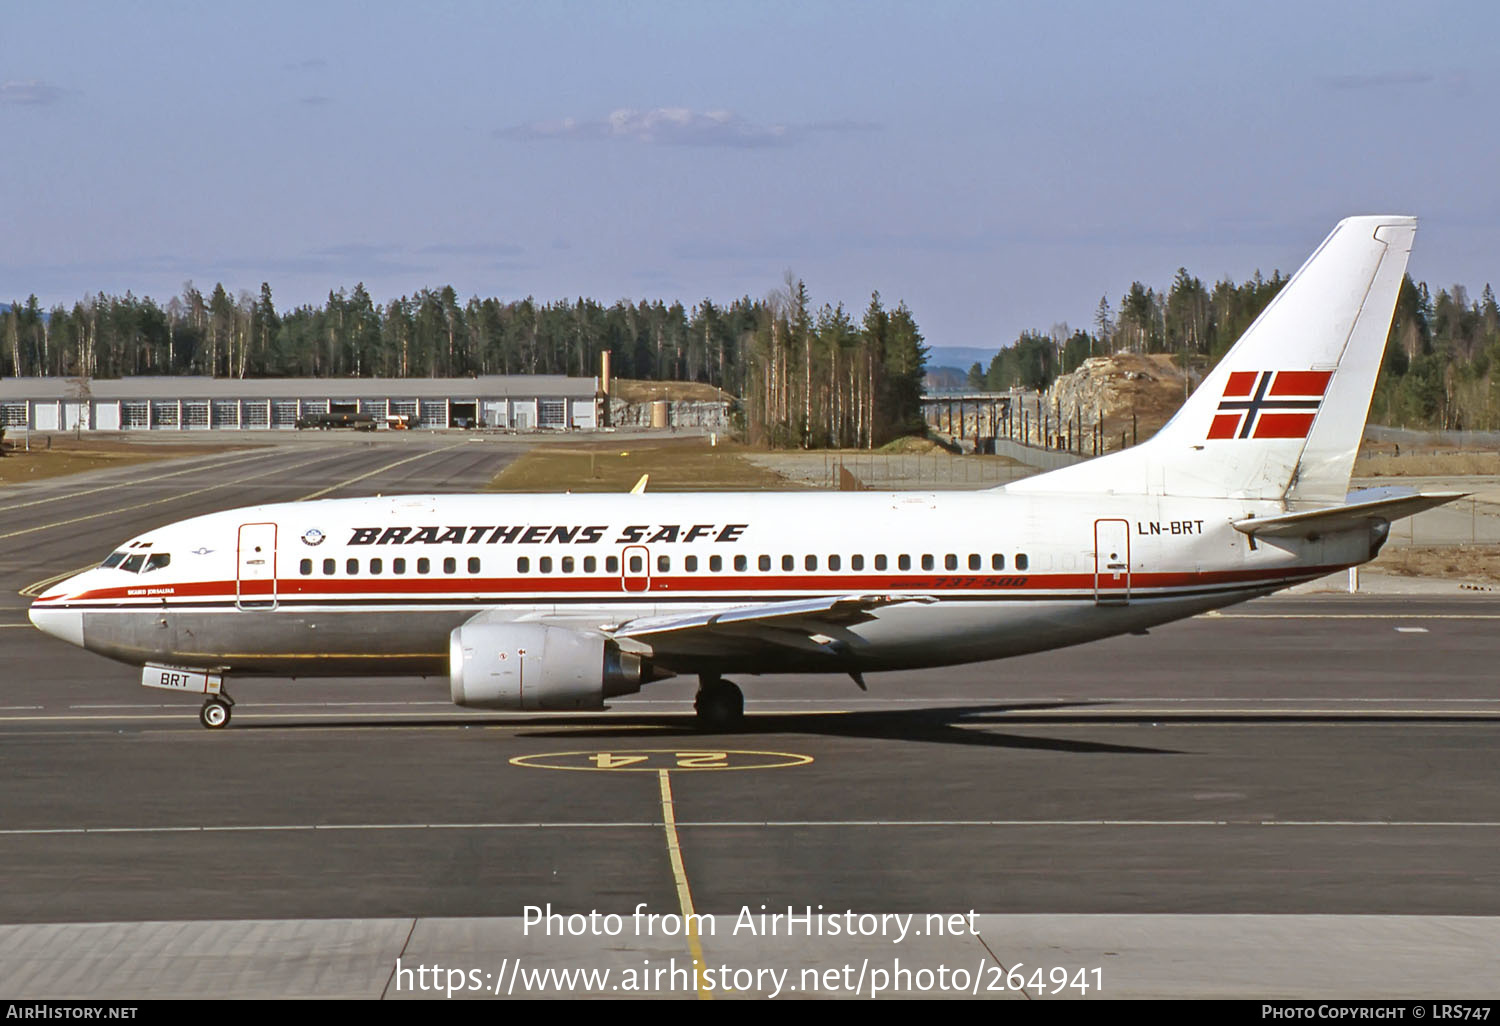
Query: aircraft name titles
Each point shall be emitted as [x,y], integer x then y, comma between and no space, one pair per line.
[544,534]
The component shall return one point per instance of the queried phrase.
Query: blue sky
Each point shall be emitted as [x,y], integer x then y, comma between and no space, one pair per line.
[999,166]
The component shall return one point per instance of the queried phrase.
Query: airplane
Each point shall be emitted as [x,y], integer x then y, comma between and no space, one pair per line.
[562,602]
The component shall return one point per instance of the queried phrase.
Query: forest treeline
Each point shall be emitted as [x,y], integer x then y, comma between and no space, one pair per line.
[808,377]
[1442,358]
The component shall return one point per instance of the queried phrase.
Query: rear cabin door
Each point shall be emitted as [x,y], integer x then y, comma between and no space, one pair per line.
[256,579]
[1111,562]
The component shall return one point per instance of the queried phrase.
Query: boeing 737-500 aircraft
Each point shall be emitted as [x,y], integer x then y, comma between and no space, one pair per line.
[531,602]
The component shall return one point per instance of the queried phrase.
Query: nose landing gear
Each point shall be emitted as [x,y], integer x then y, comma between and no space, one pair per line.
[215,712]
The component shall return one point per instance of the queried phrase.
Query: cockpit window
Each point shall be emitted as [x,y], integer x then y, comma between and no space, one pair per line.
[132,565]
[157,561]
[114,559]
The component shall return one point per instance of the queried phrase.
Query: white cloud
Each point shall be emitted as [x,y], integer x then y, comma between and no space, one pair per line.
[676,126]
[31,93]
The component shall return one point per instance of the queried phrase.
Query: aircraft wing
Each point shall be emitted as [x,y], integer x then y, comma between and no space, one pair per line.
[796,622]
[1311,523]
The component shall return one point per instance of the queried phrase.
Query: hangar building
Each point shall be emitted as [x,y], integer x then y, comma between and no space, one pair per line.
[513,402]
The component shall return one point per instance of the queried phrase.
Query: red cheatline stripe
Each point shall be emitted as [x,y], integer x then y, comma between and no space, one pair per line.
[710,589]
[1240,383]
[1300,383]
[1283,425]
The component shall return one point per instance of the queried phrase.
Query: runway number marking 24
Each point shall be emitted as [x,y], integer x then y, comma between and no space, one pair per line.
[651,760]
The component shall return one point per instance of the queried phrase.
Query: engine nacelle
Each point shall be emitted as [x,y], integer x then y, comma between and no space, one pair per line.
[531,666]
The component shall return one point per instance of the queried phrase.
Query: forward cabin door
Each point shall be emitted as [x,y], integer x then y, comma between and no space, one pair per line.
[1111,562]
[255,582]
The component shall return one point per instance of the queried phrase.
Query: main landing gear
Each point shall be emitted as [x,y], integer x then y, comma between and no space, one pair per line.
[720,704]
[215,712]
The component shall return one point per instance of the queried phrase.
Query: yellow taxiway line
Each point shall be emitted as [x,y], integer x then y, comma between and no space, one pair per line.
[679,874]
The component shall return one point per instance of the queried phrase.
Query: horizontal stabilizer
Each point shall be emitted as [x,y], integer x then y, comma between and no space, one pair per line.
[1316,522]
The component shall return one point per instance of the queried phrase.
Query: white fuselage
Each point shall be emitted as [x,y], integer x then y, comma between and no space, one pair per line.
[375,585]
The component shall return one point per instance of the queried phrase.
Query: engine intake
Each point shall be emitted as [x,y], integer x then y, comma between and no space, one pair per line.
[531,666]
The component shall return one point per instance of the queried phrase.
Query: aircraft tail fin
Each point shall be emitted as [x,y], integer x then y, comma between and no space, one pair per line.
[1282,415]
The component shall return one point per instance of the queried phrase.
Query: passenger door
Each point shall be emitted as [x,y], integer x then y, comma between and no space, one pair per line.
[255,581]
[1111,562]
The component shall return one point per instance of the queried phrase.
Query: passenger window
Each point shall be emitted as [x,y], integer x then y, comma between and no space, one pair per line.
[590,564]
[997,562]
[927,563]
[132,564]
[611,564]
[635,564]
[329,567]
[305,566]
[112,560]
[788,563]
[523,565]
[450,565]
[398,566]
[473,564]
[1021,561]
[975,563]
[880,563]
[834,563]
[716,563]
[663,564]
[903,562]
[856,562]
[424,565]
[764,562]
[351,566]
[544,565]
[567,564]
[376,565]
[742,562]
[810,563]
[950,562]
[690,564]
[156,561]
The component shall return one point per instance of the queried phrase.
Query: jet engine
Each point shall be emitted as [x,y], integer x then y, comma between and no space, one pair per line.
[531,666]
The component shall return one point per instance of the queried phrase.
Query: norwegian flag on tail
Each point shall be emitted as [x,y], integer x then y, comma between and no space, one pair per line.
[1270,404]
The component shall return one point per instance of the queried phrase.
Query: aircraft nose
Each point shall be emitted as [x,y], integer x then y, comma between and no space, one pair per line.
[49,615]
[66,624]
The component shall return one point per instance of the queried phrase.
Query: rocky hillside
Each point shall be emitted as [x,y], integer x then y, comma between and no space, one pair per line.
[1148,388]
